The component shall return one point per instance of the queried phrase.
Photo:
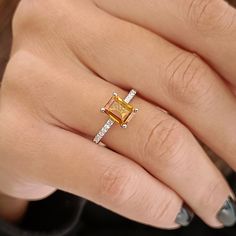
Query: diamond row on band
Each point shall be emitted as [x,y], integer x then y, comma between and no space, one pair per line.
[103,131]
[111,122]
[130,96]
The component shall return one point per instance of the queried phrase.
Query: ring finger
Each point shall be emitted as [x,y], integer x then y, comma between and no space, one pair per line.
[153,139]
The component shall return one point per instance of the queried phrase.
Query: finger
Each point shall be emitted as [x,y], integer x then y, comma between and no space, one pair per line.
[130,56]
[73,164]
[156,141]
[207,27]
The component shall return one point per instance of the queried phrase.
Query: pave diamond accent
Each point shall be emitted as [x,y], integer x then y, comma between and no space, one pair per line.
[130,96]
[111,122]
[103,131]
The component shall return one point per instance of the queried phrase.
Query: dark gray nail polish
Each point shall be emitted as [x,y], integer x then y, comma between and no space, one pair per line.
[185,216]
[227,214]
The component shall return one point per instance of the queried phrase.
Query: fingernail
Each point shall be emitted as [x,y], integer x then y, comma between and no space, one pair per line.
[227,214]
[185,216]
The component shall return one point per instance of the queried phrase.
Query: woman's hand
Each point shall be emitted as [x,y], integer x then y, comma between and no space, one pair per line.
[67,59]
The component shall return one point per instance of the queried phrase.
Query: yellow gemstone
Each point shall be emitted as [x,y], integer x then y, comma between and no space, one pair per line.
[118,110]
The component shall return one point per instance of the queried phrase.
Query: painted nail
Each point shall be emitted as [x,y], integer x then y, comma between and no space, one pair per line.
[185,216]
[227,214]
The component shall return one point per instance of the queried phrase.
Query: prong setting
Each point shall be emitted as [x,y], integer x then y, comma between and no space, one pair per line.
[124,126]
[102,109]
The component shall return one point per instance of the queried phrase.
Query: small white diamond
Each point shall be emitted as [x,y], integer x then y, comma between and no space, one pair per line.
[97,139]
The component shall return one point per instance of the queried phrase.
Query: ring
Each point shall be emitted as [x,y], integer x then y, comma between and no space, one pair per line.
[119,110]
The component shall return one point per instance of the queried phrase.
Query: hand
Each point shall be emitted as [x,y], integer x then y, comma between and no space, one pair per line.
[67,59]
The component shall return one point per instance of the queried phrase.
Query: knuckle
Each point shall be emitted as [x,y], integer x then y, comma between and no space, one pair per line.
[24,85]
[209,15]
[19,71]
[186,79]
[163,143]
[117,184]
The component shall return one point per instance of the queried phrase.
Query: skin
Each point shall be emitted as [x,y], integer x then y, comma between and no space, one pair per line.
[67,59]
